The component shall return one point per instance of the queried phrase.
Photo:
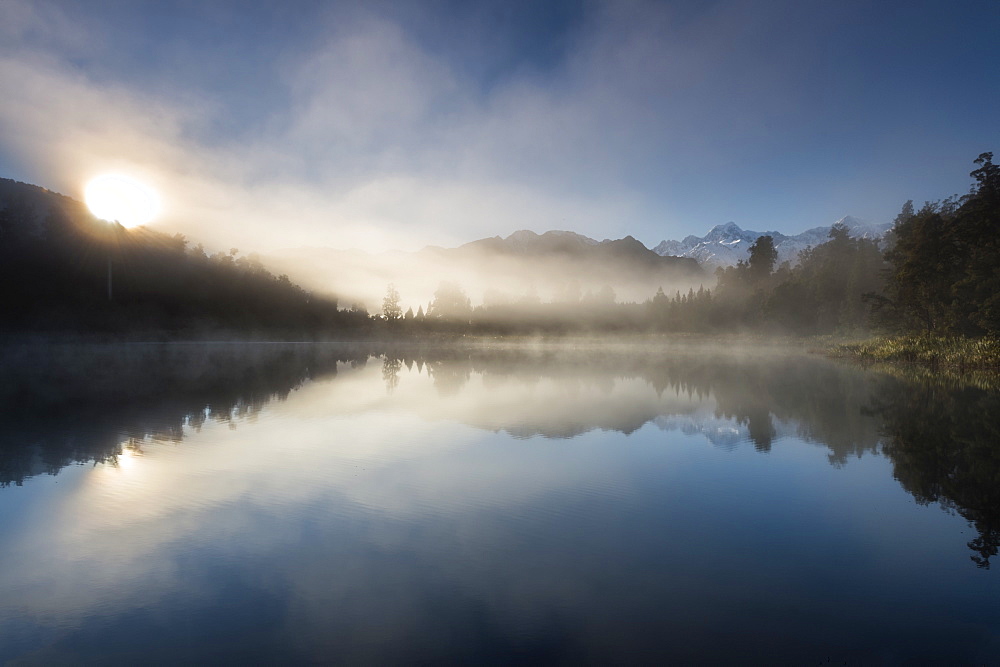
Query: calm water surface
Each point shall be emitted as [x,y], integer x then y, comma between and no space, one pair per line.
[265,503]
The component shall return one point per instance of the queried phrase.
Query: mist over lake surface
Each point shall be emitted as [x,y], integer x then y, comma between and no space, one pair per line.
[379,503]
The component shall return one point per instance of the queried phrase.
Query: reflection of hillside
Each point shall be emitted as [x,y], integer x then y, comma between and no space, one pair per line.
[72,404]
[942,437]
[945,447]
[562,393]
[64,405]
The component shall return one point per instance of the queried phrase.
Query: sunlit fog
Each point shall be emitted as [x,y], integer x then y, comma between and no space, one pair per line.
[499,332]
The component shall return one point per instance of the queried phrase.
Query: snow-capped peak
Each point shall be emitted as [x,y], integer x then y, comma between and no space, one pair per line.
[725,245]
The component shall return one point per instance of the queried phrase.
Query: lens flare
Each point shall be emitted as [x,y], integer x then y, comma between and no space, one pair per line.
[119,198]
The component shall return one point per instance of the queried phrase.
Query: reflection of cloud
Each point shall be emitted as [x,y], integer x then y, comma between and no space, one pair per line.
[355,446]
[349,518]
[131,522]
[525,406]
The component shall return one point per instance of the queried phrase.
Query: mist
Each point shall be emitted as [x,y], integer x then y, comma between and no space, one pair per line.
[377,143]
[339,332]
[524,268]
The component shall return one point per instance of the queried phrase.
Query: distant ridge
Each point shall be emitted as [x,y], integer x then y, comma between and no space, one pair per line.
[725,245]
[554,265]
[571,245]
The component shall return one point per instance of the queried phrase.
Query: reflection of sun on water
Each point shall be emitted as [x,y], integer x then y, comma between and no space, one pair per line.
[119,198]
[128,457]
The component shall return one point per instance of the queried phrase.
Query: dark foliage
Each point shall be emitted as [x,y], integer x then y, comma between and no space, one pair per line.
[823,293]
[943,445]
[940,274]
[76,403]
[62,270]
[69,403]
[945,262]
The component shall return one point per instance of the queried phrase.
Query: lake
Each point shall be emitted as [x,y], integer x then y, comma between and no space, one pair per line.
[365,503]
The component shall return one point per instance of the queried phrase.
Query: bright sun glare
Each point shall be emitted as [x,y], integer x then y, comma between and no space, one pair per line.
[114,197]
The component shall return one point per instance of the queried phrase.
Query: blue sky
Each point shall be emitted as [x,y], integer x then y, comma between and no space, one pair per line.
[399,124]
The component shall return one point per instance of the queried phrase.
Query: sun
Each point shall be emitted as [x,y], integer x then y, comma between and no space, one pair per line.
[114,197]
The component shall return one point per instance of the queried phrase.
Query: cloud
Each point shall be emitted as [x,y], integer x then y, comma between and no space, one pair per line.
[378,143]
[361,127]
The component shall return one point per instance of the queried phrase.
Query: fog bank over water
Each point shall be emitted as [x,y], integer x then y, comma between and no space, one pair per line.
[557,266]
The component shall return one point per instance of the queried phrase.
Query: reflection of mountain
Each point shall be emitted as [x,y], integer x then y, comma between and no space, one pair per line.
[70,404]
[725,433]
[85,403]
[563,392]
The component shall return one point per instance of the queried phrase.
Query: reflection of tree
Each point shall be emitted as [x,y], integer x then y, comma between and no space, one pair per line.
[390,372]
[945,448]
[103,394]
[72,404]
[824,398]
[761,428]
[450,375]
[68,404]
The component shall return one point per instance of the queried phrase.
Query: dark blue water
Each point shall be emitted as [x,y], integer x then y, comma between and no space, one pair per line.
[411,505]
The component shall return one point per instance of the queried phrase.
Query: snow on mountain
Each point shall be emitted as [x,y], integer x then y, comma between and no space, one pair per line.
[723,432]
[724,245]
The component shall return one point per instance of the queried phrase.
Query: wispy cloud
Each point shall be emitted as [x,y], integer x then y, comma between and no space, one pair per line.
[377,144]
[361,131]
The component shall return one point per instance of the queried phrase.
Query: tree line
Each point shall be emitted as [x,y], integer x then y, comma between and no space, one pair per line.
[63,271]
[937,271]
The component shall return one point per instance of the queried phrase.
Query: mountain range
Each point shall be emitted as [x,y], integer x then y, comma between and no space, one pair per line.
[551,265]
[727,244]
[556,265]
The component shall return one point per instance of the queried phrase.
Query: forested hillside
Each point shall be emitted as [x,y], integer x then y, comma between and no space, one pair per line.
[62,270]
[945,261]
[938,272]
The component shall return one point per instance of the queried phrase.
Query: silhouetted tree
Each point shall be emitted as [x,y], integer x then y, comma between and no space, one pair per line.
[54,272]
[977,292]
[924,267]
[390,304]
[943,259]
[450,303]
[763,255]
